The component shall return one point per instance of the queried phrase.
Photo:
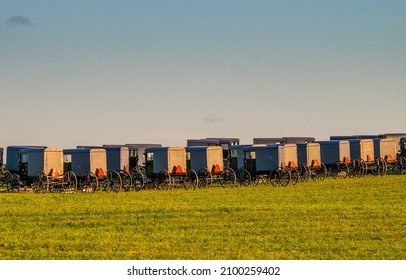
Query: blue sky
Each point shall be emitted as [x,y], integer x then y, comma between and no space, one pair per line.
[114,72]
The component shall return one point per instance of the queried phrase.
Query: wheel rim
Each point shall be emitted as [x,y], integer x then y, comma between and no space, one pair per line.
[138,180]
[114,181]
[126,180]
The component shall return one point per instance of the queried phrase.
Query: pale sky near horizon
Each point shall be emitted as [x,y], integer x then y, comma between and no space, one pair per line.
[95,72]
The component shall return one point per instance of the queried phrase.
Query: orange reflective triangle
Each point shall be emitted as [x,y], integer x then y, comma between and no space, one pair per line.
[99,172]
[53,173]
[346,160]
[315,163]
[178,169]
[216,169]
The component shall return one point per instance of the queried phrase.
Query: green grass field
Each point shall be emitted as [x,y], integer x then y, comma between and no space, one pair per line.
[335,219]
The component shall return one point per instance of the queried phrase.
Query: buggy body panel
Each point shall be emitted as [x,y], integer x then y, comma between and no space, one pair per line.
[137,153]
[289,154]
[13,156]
[334,151]
[362,149]
[42,160]
[309,152]
[118,158]
[398,140]
[236,156]
[166,158]
[206,157]
[262,158]
[385,148]
[87,160]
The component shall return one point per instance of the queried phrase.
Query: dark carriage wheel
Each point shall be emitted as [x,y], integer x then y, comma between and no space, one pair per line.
[284,177]
[142,170]
[5,178]
[384,167]
[114,181]
[228,178]
[304,172]
[356,169]
[205,179]
[273,177]
[255,180]
[164,180]
[88,182]
[70,182]
[294,176]
[373,167]
[243,177]
[138,180]
[55,185]
[322,172]
[401,165]
[126,180]
[381,166]
[340,170]
[13,182]
[10,181]
[40,183]
[351,169]
[191,181]
[362,168]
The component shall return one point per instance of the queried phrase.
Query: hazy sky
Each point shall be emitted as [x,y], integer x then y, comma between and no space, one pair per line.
[94,72]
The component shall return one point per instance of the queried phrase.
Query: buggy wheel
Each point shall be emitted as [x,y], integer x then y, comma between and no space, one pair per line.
[355,169]
[382,166]
[243,177]
[322,172]
[126,180]
[273,177]
[138,180]
[40,183]
[114,181]
[339,170]
[191,181]
[12,181]
[164,180]
[373,166]
[142,170]
[70,182]
[205,178]
[385,164]
[363,168]
[284,177]
[294,176]
[255,180]
[401,165]
[304,172]
[228,178]
[89,182]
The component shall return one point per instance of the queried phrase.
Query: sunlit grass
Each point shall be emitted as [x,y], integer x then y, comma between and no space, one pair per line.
[334,219]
